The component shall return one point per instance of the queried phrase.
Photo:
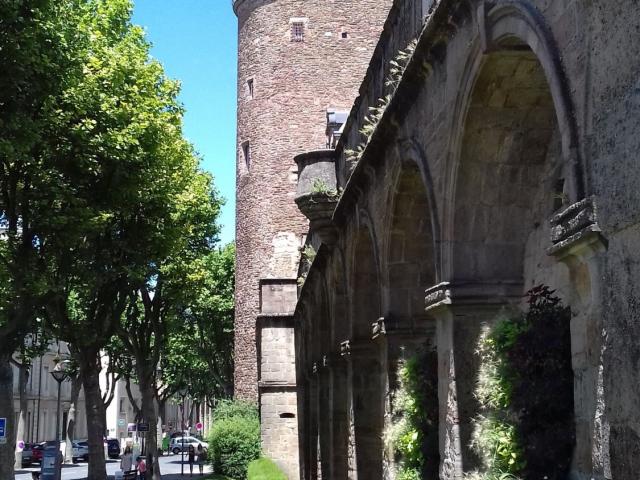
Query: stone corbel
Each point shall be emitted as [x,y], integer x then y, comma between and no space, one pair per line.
[575,231]
[345,349]
[378,329]
[437,296]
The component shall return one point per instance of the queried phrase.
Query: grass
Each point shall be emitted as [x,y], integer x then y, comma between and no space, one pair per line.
[264,469]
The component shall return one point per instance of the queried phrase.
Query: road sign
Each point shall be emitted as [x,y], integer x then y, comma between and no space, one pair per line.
[121,422]
[3,428]
[21,445]
[199,426]
[143,427]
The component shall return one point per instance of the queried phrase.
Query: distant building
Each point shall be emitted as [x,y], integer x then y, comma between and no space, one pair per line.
[42,394]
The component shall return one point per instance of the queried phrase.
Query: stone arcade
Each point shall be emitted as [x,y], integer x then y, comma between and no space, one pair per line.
[505,158]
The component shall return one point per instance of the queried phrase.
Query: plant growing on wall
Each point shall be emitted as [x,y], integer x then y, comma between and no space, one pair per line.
[525,391]
[412,434]
[397,67]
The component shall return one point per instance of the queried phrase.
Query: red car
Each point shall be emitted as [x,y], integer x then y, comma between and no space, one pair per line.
[37,449]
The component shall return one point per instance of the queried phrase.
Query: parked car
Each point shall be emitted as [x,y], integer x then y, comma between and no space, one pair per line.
[80,451]
[27,455]
[113,448]
[37,449]
[180,443]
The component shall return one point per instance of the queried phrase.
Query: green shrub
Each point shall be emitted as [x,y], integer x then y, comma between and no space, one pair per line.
[525,427]
[234,439]
[265,469]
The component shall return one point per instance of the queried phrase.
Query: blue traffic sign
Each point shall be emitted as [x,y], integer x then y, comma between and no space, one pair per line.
[3,427]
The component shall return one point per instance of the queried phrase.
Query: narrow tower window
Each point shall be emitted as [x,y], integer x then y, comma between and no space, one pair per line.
[297,31]
[246,152]
[250,88]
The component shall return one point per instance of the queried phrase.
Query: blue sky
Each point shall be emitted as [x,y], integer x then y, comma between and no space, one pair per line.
[196,40]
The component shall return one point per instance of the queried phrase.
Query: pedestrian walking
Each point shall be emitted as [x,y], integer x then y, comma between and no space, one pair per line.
[126,462]
[192,458]
[142,468]
[165,442]
[202,458]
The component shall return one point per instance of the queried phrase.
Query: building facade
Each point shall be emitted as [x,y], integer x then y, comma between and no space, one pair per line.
[41,399]
[492,148]
[299,61]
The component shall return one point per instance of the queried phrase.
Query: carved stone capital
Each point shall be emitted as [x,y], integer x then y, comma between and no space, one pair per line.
[437,296]
[575,230]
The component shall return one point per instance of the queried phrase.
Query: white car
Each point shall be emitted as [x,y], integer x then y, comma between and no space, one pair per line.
[80,451]
[178,443]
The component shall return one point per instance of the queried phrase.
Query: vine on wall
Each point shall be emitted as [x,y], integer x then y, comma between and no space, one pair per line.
[525,427]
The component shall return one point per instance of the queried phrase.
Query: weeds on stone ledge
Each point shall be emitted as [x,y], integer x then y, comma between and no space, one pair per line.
[370,122]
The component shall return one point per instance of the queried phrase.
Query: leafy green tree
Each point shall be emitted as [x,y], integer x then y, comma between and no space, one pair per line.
[123,173]
[188,229]
[200,349]
[39,41]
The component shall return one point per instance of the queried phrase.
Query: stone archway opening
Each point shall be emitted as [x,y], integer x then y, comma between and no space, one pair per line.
[511,173]
[367,375]
[510,180]
[410,270]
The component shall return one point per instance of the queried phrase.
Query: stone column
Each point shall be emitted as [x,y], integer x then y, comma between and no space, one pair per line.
[578,243]
[460,312]
[325,416]
[367,406]
[342,464]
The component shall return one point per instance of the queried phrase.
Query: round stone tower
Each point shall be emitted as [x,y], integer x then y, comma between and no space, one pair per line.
[298,62]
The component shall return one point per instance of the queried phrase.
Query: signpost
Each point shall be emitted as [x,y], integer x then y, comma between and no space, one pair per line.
[51,462]
[199,426]
[3,431]
[142,429]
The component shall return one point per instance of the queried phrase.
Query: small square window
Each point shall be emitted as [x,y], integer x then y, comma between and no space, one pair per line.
[250,88]
[344,34]
[297,31]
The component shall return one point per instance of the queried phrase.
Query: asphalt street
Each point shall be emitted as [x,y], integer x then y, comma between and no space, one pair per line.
[169,466]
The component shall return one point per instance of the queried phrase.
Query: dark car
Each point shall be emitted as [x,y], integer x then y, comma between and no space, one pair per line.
[113,448]
[37,450]
[27,455]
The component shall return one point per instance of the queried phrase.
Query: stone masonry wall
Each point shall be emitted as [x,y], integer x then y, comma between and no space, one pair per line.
[598,56]
[293,85]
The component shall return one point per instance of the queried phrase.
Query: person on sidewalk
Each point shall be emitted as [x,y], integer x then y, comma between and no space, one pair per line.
[126,462]
[202,458]
[192,458]
[142,468]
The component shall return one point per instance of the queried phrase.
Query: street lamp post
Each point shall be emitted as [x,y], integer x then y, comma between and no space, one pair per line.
[183,394]
[59,374]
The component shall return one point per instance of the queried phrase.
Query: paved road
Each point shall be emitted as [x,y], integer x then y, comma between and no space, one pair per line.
[169,466]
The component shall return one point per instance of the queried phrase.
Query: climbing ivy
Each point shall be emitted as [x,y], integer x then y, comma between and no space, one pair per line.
[525,390]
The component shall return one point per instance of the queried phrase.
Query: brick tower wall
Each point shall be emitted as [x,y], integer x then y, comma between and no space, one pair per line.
[293,85]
